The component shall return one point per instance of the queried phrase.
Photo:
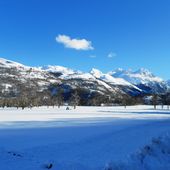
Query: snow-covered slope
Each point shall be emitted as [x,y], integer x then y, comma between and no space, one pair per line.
[17,78]
[10,64]
[110,79]
[153,156]
[168,83]
[141,78]
[66,73]
[76,79]
[121,83]
[59,69]
[14,74]
[10,68]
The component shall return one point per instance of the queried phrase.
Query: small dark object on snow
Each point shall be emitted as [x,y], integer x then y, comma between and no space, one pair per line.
[15,154]
[156,141]
[49,166]
[67,108]
[19,155]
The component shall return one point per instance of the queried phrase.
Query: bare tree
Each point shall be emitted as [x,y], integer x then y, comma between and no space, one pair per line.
[168,100]
[75,99]
[60,97]
[126,100]
[155,100]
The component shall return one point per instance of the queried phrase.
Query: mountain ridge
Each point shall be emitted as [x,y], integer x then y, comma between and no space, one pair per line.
[17,78]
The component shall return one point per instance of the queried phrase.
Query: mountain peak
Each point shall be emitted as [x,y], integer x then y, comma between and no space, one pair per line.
[96,73]
[120,78]
[59,69]
[144,71]
[8,63]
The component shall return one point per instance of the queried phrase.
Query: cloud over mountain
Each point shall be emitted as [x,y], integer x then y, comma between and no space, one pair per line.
[77,44]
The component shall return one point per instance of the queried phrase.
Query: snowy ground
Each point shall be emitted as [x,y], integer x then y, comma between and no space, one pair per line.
[87,138]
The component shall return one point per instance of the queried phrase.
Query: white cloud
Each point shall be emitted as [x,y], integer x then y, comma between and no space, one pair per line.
[111,55]
[77,44]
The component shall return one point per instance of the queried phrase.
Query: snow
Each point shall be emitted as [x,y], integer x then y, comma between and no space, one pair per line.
[155,155]
[96,73]
[59,69]
[105,85]
[10,64]
[25,72]
[141,76]
[168,83]
[67,73]
[119,77]
[7,86]
[78,75]
[22,73]
[86,138]
[110,79]
[14,115]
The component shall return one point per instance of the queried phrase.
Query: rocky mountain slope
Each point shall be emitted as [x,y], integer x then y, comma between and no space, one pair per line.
[17,79]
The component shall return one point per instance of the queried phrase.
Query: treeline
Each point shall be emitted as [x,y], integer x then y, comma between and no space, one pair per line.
[45,98]
[161,99]
[79,97]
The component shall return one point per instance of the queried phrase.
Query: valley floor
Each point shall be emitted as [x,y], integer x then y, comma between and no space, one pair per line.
[87,138]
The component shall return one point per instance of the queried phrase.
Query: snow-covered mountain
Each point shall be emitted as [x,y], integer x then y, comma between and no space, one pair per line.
[168,82]
[16,77]
[124,85]
[79,79]
[110,79]
[143,79]
[141,76]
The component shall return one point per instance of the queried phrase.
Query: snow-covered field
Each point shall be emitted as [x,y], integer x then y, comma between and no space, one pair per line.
[87,138]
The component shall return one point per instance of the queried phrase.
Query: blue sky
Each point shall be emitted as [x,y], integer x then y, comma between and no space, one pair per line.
[105,34]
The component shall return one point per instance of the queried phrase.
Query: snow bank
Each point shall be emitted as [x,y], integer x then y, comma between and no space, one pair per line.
[154,156]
